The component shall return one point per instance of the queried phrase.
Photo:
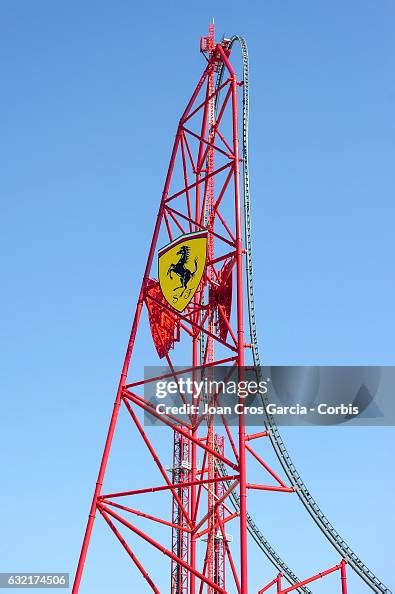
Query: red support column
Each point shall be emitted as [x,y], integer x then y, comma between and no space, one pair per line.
[194,502]
[240,344]
[343,576]
[278,582]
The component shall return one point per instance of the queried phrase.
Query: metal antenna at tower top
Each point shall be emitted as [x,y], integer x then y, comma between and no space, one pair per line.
[196,300]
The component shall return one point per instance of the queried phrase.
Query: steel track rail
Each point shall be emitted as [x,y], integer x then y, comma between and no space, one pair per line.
[276,440]
[253,529]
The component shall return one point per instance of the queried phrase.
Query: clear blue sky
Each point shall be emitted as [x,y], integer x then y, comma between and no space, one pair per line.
[91,93]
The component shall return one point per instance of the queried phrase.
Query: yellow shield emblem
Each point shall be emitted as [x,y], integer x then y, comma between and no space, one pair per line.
[181,265]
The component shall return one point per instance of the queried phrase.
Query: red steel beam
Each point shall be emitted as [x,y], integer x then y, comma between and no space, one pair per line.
[162,549]
[127,548]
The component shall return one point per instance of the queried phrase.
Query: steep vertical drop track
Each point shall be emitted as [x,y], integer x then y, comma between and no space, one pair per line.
[276,440]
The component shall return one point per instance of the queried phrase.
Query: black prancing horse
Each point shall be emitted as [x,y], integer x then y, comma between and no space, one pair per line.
[184,273]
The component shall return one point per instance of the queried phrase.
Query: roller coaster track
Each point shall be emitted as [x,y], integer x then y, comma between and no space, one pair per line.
[275,438]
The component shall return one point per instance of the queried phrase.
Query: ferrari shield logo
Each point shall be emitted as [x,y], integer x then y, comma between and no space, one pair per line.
[181,265]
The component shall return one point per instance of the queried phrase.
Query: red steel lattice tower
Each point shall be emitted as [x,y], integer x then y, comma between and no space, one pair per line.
[194,329]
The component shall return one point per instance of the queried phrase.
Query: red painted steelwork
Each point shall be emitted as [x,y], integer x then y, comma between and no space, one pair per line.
[201,192]
[341,567]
